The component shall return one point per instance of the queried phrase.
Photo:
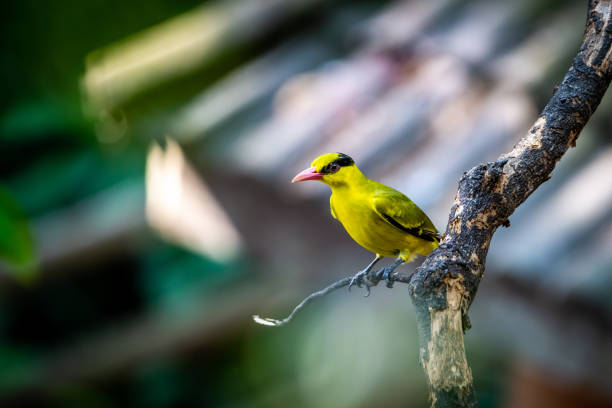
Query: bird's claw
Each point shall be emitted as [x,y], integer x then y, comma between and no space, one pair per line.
[360,279]
[357,280]
[385,274]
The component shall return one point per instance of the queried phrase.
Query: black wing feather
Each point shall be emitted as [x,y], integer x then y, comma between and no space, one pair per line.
[416,232]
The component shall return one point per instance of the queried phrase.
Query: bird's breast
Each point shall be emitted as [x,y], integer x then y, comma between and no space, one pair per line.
[366,227]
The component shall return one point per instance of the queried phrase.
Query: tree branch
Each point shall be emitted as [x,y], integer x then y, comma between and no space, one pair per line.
[445,285]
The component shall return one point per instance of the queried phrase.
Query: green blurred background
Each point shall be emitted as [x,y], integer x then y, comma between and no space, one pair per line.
[146,211]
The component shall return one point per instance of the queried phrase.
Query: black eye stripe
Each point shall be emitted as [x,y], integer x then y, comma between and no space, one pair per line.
[342,161]
[328,169]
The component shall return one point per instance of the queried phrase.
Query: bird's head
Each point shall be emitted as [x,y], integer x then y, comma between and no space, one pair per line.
[330,168]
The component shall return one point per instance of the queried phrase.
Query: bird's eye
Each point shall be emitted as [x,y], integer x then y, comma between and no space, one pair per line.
[333,167]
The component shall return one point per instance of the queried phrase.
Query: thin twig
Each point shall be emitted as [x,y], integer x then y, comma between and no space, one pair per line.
[266,321]
[372,280]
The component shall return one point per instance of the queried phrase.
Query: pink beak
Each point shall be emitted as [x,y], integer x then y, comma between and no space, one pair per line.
[308,174]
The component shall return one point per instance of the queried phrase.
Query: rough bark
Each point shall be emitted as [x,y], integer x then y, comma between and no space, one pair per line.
[445,285]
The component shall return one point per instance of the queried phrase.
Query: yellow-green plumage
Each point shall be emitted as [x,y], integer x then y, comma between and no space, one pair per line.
[377,217]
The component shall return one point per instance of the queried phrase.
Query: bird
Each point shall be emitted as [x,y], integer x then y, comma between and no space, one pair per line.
[379,218]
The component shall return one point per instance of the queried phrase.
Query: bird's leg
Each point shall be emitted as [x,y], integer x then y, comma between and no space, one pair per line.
[358,279]
[385,273]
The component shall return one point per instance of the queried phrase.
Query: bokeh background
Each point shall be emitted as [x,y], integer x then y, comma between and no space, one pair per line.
[146,211]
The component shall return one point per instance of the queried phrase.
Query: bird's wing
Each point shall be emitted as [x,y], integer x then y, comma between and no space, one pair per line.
[399,211]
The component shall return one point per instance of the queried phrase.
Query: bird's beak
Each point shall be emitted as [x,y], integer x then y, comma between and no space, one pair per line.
[308,174]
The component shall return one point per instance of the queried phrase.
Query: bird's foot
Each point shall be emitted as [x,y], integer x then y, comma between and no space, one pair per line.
[361,279]
[386,274]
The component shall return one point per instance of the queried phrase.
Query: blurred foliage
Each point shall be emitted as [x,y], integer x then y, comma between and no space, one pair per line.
[173,278]
[16,242]
[75,174]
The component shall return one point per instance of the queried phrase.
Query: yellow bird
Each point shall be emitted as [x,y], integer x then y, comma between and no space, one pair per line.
[377,217]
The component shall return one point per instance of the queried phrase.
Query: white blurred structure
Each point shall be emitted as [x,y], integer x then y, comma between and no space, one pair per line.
[182,209]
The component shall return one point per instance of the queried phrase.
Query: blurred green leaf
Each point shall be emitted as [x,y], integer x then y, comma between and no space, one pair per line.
[35,120]
[16,242]
[75,174]
[160,384]
[19,366]
[174,278]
